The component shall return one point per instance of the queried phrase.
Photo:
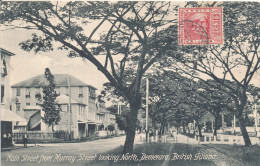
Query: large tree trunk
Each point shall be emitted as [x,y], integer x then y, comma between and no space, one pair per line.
[184,129]
[199,128]
[162,127]
[216,124]
[153,123]
[241,120]
[131,126]
[244,131]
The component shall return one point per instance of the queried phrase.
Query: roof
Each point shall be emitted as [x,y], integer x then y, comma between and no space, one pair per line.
[2,50]
[64,99]
[10,116]
[61,80]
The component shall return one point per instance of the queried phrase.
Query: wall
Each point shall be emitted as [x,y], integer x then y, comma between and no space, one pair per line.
[87,113]
[23,100]
[5,81]
[90,108]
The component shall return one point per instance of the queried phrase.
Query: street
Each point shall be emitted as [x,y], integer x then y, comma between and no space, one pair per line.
[63,152]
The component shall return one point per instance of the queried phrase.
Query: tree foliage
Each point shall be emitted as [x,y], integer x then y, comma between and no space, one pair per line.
[124,34]
[236,61]
[50,106]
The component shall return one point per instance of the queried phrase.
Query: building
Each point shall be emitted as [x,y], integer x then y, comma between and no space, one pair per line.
[104,116]
[74,120]
[83,107]
[8,118]
[5,78]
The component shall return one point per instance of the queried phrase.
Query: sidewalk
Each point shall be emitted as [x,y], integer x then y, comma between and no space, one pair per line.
[182,139]
[16,146]
[140,139]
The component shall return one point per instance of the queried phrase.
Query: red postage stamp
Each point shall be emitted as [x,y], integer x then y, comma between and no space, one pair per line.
[200,26]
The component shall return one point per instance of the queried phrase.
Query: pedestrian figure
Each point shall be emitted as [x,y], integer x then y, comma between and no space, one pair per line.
[4,140]
[25,140]
[9,140]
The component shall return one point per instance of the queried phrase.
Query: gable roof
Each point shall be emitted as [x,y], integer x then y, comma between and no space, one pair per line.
[4,51]
[64,99]
[61,80]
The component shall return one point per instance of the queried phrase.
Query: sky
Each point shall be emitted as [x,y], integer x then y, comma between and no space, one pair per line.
[28,64]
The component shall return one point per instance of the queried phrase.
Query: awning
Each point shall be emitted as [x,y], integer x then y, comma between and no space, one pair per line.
[100,113]
[22,123]
[81,122]
[91,122]
[7,115]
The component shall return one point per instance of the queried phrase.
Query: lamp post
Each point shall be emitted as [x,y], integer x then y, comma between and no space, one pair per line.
[147,105]
[70,118]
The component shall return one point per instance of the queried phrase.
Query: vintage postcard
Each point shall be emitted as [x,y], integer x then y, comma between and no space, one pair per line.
[130,83]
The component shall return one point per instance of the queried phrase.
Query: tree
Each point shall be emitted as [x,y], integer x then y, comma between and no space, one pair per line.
[194,105]
[166,93]
[215,100]
[121,121]
[237,60]
[50,106]
[130,31]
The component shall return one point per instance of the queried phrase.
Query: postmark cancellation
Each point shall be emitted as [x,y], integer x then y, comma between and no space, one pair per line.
[198,26]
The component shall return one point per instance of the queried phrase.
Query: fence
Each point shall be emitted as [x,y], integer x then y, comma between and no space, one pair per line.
[155,138]
[225,139]
[39,135]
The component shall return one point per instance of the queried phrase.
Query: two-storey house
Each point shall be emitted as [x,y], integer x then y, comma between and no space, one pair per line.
[83,109]
[8,118]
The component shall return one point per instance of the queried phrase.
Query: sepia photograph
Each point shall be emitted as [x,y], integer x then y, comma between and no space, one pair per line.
[130,83]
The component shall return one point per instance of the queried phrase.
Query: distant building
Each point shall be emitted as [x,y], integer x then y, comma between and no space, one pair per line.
[5,78]
[83,107]
[76,120]
[105,117]
[8,118]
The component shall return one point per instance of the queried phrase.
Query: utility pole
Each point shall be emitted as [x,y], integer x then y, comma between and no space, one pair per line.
[147,105]
[234,125]
[256,121]
[69,81]
[118,108]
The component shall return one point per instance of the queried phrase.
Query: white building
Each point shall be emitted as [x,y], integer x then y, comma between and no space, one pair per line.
[8,118]
[5,78]
[83,116]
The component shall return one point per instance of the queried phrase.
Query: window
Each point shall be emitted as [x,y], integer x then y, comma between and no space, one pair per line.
[18,106]
[27,104]
[2,93]
[3,67]
[81,110]
[57,91]
[18,92]
[80,91]
[27,93]
[92,93]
